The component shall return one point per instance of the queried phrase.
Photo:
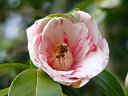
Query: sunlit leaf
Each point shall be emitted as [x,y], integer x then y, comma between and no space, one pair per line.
[33,82]
[106,83]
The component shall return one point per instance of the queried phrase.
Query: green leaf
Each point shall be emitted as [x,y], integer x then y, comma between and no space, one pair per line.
[126,85]
[33,82]
[73,14]
[70,15]
[106,83]
[4,92]
[57,15]
[13,65]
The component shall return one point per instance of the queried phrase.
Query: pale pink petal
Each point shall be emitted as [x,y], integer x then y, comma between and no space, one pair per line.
[36,28]
[76,37]
[35,61]
[33,47]
[90,66]
[103,46]
[89,21]
[62,78]
[59,76]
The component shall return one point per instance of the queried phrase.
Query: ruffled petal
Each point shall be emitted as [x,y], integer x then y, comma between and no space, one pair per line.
[89,21]
[53,32]
[36,28]
[103,46]
[59,76]
[76,37]
[33,47]
[90,66]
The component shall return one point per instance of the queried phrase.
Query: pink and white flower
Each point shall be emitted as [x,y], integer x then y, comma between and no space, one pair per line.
[70,52]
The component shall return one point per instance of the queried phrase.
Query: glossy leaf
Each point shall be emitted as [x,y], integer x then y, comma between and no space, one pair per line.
[34,82]
[126,85]
[4,92]
[106,83]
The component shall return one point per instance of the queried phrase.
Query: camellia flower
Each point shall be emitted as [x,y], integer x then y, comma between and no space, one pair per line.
[70,50]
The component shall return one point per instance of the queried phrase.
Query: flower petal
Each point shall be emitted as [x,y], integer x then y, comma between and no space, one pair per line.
[36,28]
[76,37]
[89,21]
[33,47]
[90,66]
[54,29]
[103,46]
[59,76]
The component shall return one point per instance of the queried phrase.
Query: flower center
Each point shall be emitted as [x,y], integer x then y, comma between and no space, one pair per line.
[63,58]
[61,49]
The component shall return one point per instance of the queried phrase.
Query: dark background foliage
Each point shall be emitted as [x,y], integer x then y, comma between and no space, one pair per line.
[17,15]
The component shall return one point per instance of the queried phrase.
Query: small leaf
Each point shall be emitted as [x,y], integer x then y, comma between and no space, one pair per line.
[73,14]
[34,82]
[4,92]
[57,15]
[107,84]
[13,65]
[70,15]
[126,85]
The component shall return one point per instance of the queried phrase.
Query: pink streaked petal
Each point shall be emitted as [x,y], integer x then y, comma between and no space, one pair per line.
[76,36]
[81,50]
[54,29]
[89,21]
[90,66]
[53,72]
[36,28]
[59,76]
[42,57]
[42,48]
